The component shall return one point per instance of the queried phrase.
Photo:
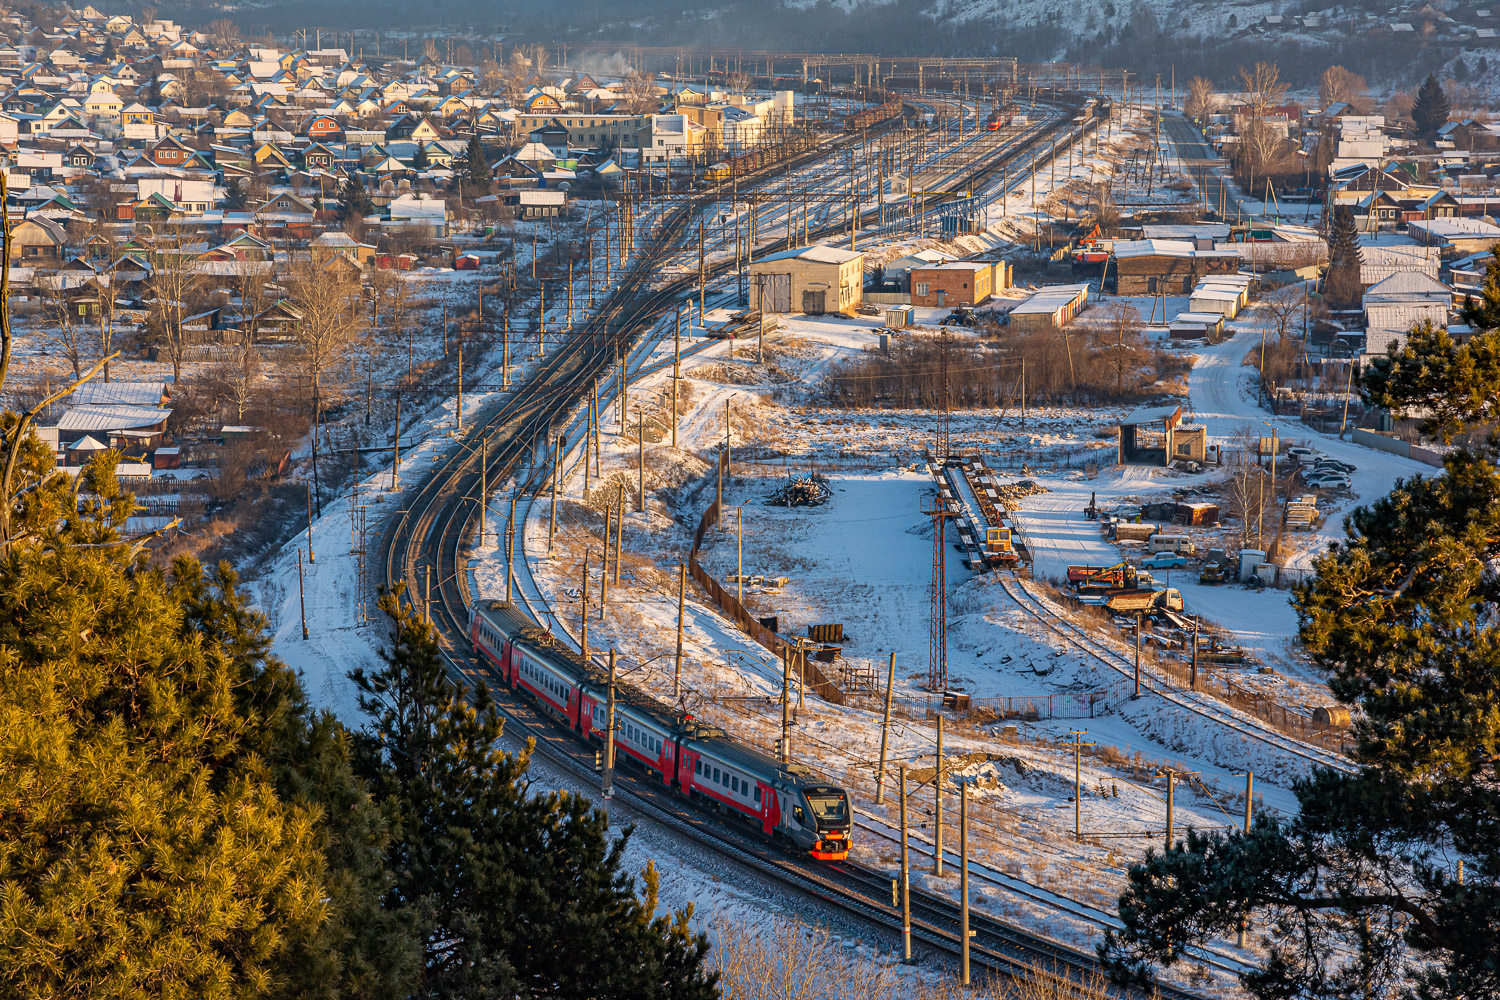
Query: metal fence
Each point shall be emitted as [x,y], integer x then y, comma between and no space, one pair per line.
[727,603]
[1061,705]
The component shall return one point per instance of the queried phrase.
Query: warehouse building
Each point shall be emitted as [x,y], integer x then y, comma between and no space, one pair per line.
[811,280]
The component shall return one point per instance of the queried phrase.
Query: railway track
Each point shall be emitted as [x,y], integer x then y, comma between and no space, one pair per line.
[1204,708]
[426,547]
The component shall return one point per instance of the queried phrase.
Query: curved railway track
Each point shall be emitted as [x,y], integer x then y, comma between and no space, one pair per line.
[425,549]
[1204,708]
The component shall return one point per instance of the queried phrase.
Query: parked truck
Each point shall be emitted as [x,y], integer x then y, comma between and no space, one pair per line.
[1096,578]
[1140,600]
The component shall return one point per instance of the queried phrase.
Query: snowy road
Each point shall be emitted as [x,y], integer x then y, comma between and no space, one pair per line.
[1222,396]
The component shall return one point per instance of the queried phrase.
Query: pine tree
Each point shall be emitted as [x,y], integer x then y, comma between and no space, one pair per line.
[1360,893]
[354,200]
[419,159]
[475,164]
[146,850]
[1341,286]
[1430,111]
[517,894]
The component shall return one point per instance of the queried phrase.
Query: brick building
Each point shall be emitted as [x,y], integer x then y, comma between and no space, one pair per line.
[956,283]
[1167,267]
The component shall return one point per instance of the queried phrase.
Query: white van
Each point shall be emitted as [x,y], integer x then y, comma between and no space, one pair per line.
[1179,544]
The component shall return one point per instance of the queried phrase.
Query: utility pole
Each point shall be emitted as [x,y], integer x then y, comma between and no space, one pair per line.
[1137,693]
[484,493]
[1196,620]
[583,610]
[681,609]
[937,805]
[1249,801]
[739,557]
[556,475]
[1078,745]
[607,789]
[1172,776]
[301,595]
[510,550]
[905,878]
[640,462]
[963,882]
[676,373]
[786,704]
[619,536]
[310,557]
[609,511]
[396,447]
[885,729]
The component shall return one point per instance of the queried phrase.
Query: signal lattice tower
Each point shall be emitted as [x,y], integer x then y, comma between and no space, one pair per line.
[942,443]
[937,635]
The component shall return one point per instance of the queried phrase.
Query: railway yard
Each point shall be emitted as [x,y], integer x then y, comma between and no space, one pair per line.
[879,594]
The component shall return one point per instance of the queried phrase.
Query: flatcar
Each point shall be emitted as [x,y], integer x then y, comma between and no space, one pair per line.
[784,802]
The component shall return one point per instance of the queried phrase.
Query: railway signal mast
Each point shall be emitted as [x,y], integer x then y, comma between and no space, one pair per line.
[937,644]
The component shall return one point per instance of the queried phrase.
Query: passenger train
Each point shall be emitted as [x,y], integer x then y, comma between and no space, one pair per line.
[699,762]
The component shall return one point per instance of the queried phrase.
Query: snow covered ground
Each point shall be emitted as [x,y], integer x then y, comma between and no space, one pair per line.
[864,560]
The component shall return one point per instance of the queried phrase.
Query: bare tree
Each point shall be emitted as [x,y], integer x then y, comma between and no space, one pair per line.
[1262,88]
[513,78]
[1245,489]
[640,92]
[1343,85]
[174,290]
[1201,98]
[327,298]
[66,332]
[1284,308]
[1124,347]
[224,33]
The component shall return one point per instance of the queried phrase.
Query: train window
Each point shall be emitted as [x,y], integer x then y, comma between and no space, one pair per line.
[716,775]
[799,815]
[697,767]
[757,795]
[735,784]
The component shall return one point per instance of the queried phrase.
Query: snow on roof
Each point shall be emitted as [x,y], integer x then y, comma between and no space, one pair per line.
[1457,228]
[88,443]
[1200,231]
[1151,414]
[119,393]
[818,254]
[1153,248]
[111,418]
[1406,286]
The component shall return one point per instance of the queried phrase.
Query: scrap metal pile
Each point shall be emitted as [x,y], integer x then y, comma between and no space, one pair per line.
[1011,494]
[801,491]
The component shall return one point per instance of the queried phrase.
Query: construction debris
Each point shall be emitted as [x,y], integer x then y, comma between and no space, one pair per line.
[1011,494]
[801,491]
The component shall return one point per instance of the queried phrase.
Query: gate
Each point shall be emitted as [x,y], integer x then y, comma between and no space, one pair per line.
[777,292]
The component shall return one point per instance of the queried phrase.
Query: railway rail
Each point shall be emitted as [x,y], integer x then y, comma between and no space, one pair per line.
[1204,708]
[430,539]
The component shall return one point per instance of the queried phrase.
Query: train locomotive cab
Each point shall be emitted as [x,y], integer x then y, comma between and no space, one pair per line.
[828,809]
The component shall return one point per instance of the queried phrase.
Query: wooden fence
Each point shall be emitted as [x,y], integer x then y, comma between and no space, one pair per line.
[736,612]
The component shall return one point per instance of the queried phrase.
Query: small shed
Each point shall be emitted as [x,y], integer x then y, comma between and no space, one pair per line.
[1051,306]
[1207,326]
[898,317]
[1199,513]
[1145,436]
[1224,301]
